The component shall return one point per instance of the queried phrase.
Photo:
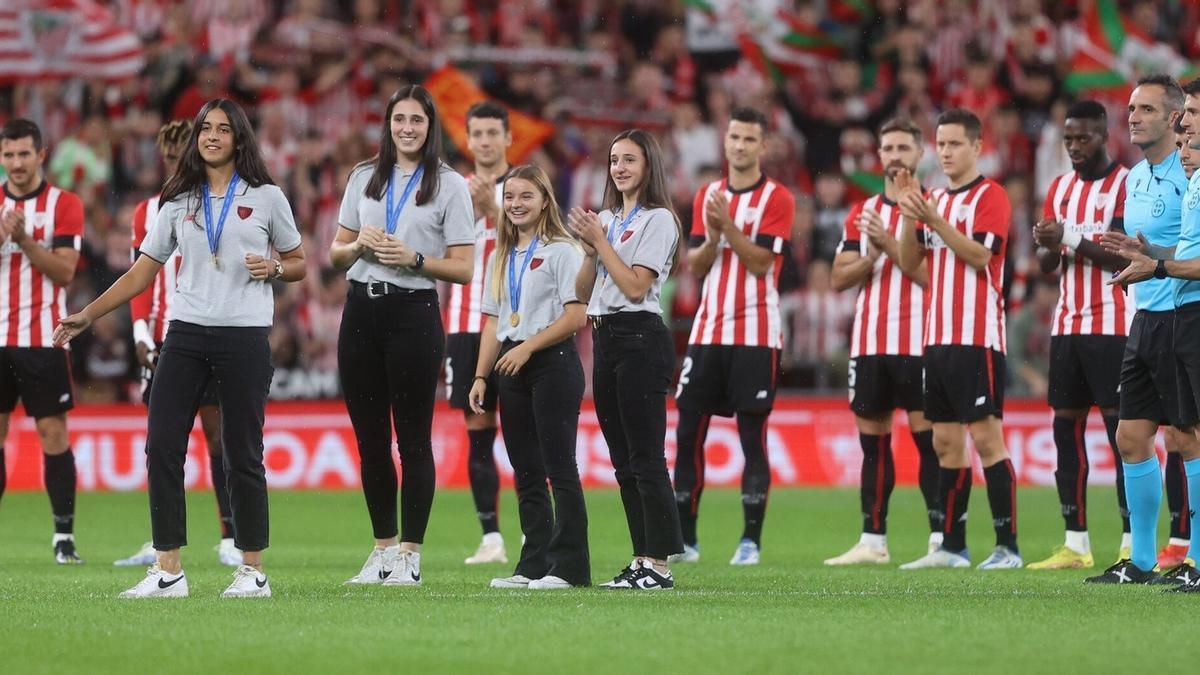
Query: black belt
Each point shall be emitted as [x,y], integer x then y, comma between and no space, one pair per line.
[378,289]
[627,318]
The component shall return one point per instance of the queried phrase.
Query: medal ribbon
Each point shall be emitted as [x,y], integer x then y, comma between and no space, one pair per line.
[393,210]
[615,231]
[214,234]
[515,282]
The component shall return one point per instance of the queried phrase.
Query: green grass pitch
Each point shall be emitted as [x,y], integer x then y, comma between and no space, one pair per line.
[789,614]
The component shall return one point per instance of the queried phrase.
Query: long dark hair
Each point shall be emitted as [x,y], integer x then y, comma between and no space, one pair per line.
[431,151]
[653,192]
[190,175]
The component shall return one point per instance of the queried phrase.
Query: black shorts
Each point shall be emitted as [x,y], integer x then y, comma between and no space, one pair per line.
[40,377]
[462,353]
[207,398]
[1083,371]
[882,383]
[723,379]
[1149,382]
[1187,354]
[963,384]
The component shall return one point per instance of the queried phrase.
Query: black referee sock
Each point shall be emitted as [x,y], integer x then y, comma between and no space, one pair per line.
[1002,497]
[3,473]
[1176,480]
[756,476]
[878,478]
[485,480]
[1110,425]
[60,486]
[954,485]
[1072,472]
[927,477]
[216,470]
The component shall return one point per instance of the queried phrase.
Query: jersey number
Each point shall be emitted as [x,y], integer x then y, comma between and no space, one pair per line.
[683,375]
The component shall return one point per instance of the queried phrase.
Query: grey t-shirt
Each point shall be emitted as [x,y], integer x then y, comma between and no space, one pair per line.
[649,242]
[259,219]
[549,284]
[446,220]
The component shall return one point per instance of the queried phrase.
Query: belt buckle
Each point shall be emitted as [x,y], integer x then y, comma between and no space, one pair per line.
[371,289]
[596,322]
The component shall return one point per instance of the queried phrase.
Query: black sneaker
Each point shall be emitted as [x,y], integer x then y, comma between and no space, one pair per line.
[1193,587]
[65,553]
[1181,576]
[1125,572]
[622,578]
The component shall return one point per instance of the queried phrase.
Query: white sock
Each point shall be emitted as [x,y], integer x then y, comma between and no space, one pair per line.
[875,541]
[936,538]
[493,539]
[1079,542]
[1173,541]
[62,537]
[1126,540]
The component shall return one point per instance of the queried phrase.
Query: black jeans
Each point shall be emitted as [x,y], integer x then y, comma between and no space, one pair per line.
[539,416]
[633,363]
[389,357]
[239,360]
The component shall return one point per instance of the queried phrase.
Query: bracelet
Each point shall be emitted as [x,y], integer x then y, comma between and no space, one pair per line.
[1072,240]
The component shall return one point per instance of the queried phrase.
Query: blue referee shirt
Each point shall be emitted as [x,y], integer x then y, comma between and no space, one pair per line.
[1187,291]
[1153,200]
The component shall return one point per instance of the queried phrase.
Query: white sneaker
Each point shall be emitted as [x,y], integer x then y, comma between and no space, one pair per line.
[407,571]
[549,583]
[939,558]
[515,581]
[379,566]
[1002,558]
[248,583]
[145,557]
[746,553]
[228,554]
[491,550]
[157,584]
[691,554]
[861,554]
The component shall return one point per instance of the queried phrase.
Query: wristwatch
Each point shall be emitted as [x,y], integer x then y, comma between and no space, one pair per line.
[1160,270]
[278,269]
[418,262]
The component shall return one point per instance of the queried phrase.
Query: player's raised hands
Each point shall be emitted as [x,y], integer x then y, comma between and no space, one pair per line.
[1048,233]
[483,196]
[716,214]
[12,223]
[917,207]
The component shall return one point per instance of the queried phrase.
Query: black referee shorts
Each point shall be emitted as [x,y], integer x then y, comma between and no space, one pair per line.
[1084,371]
[881,383]
[462,354]
[40,377]
[963,383]
[1149,379]
[1187,354]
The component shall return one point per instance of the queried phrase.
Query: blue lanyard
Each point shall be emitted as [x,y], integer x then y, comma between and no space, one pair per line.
[615,231]
[515,282]
[214,235]
[393,210]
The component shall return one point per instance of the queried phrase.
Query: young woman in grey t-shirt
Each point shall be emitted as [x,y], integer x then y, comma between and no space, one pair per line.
[405,223]
[631,247]
[224,215]
[533,313]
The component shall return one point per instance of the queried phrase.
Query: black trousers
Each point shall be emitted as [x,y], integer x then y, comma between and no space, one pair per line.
[633,363]
[238,359]
[539,416]
[389,358]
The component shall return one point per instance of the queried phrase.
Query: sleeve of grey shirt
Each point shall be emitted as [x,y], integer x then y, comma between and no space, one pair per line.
[355,185]
[491,304]
[656,246]
[284,234]
[458,223]
[566,268]
[162,242]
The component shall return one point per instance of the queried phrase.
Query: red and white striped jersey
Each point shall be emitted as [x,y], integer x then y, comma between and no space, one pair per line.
[736,307]
[463,313]
[33,303]
[889,315]
[153,305]
[1086,304]
[966,306]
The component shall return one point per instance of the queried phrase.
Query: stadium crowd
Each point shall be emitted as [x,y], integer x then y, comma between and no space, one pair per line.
[315,75]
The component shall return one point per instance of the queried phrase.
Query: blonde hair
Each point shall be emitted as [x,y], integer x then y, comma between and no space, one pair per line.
[550,226]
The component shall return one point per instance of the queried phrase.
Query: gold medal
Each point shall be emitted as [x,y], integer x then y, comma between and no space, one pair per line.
[514,319]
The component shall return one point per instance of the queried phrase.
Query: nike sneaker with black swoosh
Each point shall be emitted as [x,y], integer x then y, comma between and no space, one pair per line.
[158,584]
[644,577]
[407,571]
[380,565]
[248,583]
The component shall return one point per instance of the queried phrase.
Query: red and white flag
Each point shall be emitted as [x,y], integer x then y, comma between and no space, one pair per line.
[65,38]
